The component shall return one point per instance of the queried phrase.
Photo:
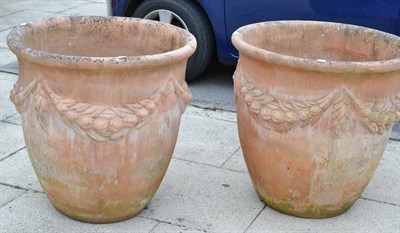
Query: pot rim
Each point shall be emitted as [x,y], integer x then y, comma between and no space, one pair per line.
[316,65]
[89,62]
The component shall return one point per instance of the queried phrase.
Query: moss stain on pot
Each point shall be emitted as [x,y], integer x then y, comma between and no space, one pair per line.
[314,211]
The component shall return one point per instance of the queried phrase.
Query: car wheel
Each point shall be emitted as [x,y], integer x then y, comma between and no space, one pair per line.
[189,16]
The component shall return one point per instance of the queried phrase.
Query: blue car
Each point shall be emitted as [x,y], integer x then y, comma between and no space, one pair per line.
[212,22]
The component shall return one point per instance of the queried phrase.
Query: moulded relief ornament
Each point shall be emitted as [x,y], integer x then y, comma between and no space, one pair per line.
[282,114]
[96,121]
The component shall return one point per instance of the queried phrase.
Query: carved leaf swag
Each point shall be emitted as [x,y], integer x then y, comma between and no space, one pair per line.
[282,115]
[96,121]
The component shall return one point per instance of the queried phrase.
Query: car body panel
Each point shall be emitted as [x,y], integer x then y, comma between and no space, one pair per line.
[119,6]
[378,14]
[228,15]
[215,11]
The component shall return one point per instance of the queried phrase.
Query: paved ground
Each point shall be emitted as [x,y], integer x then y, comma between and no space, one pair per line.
[207,187]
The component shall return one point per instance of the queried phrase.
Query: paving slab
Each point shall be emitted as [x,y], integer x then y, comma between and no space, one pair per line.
[385,184]
[11,140]
[364,216]
[17,171]
[165,228]
[236,162]
[205,140]
[25,16]
[205,198]
[7,9]
[14,119]
[52,6]
[8,194]
[3,38]
[32,212]
[92,9]
[7,77]
[7,108]
[6,56]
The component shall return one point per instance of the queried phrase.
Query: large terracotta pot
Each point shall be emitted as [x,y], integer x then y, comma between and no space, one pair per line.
[316,102]
[100,101]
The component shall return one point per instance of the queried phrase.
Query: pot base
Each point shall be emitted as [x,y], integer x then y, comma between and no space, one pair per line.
[109,217]
[310,211]
[95,220]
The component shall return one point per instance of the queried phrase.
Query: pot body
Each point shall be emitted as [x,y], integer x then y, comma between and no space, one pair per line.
[313,130]
[100,132]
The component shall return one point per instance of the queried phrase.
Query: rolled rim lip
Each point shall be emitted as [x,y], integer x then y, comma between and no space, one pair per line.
[87,62]
[310,64]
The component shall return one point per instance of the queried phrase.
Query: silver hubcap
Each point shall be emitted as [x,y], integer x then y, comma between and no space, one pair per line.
[167,16]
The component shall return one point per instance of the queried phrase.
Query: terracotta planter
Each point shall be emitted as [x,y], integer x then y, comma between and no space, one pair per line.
[100,101]
[316,103]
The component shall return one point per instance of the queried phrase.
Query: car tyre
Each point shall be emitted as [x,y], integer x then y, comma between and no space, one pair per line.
[190,16]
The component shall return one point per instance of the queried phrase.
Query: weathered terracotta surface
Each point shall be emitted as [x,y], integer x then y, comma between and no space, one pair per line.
[100,101]
[316,103]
